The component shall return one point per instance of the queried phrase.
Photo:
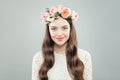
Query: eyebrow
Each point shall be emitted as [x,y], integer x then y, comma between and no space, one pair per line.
[62,26]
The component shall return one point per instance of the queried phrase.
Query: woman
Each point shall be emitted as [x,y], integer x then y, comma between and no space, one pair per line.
[60,57]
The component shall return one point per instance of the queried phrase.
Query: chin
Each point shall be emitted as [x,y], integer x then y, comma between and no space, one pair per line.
[60,43]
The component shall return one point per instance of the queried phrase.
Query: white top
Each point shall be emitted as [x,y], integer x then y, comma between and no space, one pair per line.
[59,70]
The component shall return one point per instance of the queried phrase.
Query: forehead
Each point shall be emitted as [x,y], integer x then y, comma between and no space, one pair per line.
[59,22]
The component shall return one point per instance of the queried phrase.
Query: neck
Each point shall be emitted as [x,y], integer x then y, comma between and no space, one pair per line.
[60,49]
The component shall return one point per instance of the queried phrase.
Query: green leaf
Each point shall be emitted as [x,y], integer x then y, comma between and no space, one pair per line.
[69,17]
[57,14]
[51,16]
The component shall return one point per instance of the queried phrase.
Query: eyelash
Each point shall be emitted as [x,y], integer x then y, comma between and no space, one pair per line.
[55,28]
[65,28]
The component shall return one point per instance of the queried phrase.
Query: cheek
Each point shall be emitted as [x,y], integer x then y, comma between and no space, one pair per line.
[52,34]
[67,33]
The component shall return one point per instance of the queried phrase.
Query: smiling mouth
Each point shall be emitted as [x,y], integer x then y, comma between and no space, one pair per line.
[60,39]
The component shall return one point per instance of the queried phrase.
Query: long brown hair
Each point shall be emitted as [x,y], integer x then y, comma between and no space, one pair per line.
[74,65]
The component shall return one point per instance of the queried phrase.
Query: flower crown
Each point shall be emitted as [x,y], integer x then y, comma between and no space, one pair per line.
[55,12]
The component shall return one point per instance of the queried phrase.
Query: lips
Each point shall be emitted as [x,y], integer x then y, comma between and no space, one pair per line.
[60,38]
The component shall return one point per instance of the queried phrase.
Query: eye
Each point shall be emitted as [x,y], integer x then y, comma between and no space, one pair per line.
[65,27]
[53,28]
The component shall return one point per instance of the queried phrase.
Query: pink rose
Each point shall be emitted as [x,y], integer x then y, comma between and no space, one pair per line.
[74,15]
[59,8]
[53,10]
[65,12]
[44,16]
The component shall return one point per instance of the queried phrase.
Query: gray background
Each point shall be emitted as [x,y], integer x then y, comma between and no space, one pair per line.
[21,35]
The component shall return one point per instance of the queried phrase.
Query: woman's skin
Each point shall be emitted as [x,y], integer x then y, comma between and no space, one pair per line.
[59,32]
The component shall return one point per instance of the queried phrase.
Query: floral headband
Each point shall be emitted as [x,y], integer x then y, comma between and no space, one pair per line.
[55,12]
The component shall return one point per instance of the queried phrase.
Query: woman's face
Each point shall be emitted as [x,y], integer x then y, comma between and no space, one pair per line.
[59,31]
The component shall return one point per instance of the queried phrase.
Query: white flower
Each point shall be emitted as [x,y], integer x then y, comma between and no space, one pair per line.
[50,19]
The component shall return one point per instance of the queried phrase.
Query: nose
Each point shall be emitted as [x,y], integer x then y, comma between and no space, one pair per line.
[59,32]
